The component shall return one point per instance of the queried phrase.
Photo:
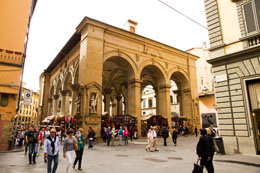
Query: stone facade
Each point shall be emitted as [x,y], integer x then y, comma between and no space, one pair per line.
[101,61]
[235,60]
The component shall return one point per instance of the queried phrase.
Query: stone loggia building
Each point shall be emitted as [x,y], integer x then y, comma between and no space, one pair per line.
[103,63]
[234,32]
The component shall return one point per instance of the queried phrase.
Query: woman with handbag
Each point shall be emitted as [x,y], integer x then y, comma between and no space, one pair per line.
[70,144]
[79,152]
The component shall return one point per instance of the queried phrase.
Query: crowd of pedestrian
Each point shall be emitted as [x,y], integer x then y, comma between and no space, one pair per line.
[34,139]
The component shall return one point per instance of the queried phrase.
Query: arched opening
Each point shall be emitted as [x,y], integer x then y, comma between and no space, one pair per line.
[183,116]
[152,98]
[117,72]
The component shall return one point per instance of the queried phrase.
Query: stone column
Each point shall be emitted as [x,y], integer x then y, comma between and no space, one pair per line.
[119,105]
[133,101]
[107,92]
[49,106]
[164,102]
[63,97]
[55,102]
[156,100]
[74,88]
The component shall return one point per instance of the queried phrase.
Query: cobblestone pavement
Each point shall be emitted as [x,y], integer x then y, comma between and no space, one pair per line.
[134,158]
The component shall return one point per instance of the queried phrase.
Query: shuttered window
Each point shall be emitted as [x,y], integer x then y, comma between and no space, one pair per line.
[4,99]
[257,6]
[252,16]
[249,17]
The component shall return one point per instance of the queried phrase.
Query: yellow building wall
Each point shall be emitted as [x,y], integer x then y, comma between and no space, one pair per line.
[230,30]
[14,16]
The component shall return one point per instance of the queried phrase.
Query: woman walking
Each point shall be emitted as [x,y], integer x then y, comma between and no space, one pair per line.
[126,133]
[150,140]
[79,152]
[68,149]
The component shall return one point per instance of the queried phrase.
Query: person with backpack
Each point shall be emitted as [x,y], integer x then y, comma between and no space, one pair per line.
[51,150]
[32,139]
[79,153]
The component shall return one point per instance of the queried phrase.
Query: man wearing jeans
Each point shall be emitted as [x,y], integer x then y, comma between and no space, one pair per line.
[51,150]
[32,139]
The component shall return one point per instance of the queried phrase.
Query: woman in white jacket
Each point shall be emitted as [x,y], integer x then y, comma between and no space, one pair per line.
[150,140]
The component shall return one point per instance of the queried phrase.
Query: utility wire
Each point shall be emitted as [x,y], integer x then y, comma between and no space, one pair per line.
[183,14]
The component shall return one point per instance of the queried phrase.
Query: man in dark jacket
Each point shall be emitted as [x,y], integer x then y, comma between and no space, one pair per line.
[165,134]
[91,135]
[32,139]
[203,150]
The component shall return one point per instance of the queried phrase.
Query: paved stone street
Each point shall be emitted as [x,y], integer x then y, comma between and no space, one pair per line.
[134,158]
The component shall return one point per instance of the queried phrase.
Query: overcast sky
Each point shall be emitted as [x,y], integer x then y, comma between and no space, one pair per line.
[54,22]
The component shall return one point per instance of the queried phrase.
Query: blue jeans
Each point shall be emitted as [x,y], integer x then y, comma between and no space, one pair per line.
[90,144]
[54,158]
[108,140]
[126,140]
[32,152]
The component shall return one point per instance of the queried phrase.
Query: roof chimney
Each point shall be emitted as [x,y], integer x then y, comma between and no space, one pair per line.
[132,25]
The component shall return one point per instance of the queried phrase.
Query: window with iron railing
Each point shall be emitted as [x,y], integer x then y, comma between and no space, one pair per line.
[252,16]
[251,13]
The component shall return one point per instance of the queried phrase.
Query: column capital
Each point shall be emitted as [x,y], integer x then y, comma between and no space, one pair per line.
[118,98]
[135,81]
[74,87]
[165,86]
[63,92]
[107,90]
[56,96]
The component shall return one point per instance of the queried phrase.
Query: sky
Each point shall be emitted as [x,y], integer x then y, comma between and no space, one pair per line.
[55,21]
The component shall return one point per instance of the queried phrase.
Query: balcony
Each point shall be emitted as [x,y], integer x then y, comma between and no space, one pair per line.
[251,40]
[10,57]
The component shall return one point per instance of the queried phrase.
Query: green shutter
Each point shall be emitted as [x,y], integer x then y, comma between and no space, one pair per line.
[249,17]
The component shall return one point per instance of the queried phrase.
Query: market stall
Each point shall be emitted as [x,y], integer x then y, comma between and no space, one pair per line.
[153,120]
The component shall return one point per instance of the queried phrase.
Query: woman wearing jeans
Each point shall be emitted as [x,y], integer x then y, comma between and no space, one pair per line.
[126,133]
[68,149]
[79,152]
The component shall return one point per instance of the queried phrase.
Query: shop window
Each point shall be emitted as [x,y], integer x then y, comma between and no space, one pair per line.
[252,16]
[4,99]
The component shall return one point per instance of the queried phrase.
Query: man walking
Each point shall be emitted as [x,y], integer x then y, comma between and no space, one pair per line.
[91,136]
[51,151]
[32,140]
[120,135]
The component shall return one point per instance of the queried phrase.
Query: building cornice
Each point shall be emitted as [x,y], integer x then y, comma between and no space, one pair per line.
[234,57]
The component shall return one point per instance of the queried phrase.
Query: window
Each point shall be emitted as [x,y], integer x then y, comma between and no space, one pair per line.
[150,102]
[4,99]
[171,99]
[252,16]
[132,29]
[144,103]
